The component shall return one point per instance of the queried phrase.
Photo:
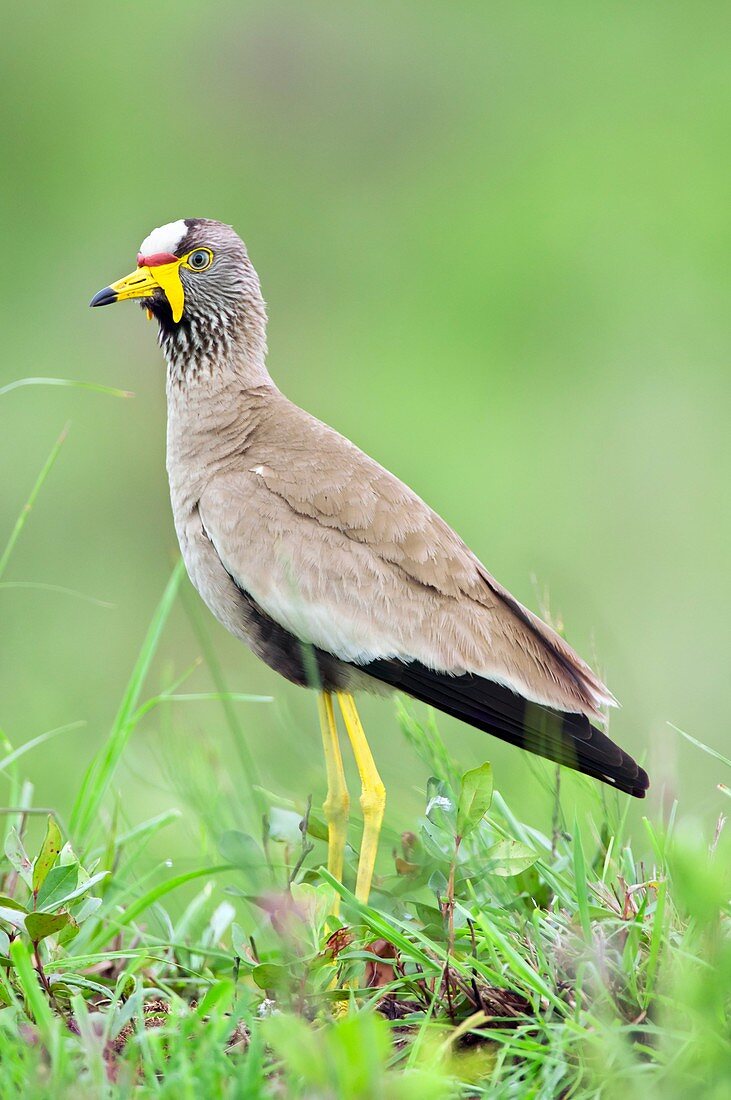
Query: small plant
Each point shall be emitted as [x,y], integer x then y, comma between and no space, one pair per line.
[44,901]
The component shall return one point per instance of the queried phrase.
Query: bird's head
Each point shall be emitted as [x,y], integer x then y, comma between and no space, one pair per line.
[195,277]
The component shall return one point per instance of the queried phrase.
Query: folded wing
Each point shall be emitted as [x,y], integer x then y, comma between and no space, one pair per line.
[347,558]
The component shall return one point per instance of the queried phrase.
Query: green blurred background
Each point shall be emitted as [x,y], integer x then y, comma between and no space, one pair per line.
[494,241]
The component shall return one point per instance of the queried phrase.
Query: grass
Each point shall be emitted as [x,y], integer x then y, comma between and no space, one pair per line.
[493,960]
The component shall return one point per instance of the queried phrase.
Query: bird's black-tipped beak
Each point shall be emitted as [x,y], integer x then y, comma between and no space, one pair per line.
[143,282]
[104,297]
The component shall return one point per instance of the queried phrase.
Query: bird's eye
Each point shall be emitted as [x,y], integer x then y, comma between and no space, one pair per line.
[200,259]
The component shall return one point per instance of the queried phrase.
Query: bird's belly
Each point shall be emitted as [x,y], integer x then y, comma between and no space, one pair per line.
[236,608]
[341,628]
[341,612]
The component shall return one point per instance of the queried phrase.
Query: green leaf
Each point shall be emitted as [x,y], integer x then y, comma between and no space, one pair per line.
[510,857]
[17,855]
[12,916]
[436,843]
[77,892]
[75,981]
[11,903]
[240,942]
[40,925]
[86,909]
[284,826]
[291,1038]
[438,884]
[47,855]
[432,920]
[242,851]
[316,826]
[58,884]
[70,930]
[475,797]
[314,903]
[439,804]
[270,975]
[221,993]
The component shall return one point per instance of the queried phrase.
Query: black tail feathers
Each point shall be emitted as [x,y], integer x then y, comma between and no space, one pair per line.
[567,738]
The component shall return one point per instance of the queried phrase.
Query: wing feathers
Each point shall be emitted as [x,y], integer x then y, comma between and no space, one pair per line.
[324,477]
[342,554]
[567,738]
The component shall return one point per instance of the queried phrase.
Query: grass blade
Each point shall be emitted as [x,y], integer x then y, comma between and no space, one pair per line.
[59,589]
[656,938]
[518,964]
[582,889]
[699,745]
[33,994]
[378,924]
[246,760]
[95,387]
[27,507]
[199,697]
[139,906]
[35,741]
[99,773]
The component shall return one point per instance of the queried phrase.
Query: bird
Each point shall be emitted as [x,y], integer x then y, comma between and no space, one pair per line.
[332,570]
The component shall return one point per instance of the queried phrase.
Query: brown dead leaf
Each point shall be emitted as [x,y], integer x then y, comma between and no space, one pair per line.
[338,941]
[378,974]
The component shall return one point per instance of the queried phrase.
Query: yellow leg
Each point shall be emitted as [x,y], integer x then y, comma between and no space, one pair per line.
[373,795]
[337,803]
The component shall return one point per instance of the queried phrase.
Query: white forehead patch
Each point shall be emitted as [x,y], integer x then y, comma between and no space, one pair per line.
[165,238]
